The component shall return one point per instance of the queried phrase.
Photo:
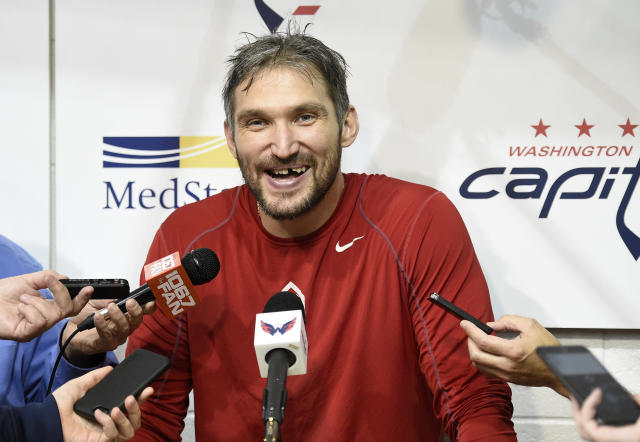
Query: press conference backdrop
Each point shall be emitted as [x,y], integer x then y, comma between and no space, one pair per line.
[526,114]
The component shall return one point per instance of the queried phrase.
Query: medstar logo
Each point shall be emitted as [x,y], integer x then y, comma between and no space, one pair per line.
[178,152]
[530,182]
[273,20]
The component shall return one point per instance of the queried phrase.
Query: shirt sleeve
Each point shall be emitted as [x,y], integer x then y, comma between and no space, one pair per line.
[41,358]
[163,414]
[439,257]
[27,366]
[37,421]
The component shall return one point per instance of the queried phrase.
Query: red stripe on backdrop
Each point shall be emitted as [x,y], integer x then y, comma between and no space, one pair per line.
[306,10]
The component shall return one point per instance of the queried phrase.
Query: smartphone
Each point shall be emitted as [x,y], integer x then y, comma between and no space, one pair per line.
[130,377]
[457,311]
[580,372]
[102,288]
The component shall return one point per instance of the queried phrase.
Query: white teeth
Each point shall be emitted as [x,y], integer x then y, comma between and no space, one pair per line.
[298,170]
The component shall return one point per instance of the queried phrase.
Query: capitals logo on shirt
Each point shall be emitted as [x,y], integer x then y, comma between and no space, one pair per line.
[167,152]
[268,328]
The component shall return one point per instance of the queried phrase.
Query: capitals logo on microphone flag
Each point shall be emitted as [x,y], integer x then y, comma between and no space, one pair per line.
[170,285]
[281,330]
[268,328]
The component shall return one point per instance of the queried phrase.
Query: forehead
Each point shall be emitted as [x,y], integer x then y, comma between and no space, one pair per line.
[280,87]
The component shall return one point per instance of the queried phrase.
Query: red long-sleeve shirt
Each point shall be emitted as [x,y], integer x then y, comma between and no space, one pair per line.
[384,363]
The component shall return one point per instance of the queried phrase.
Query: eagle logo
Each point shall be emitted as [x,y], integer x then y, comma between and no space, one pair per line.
[268,328]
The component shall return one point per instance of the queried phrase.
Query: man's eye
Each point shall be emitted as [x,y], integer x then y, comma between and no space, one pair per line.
[255,123]
[306,118]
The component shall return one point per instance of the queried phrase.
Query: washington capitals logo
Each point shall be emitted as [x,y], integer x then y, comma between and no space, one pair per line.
[600,180]
[268,328]
[273,20]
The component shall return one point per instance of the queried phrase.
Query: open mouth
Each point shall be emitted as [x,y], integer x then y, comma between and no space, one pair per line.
[287,173]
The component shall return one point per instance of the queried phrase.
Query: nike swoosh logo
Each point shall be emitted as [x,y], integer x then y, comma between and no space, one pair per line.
[341,249]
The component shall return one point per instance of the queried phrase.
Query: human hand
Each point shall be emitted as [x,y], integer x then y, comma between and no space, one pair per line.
[589,429]
[25,313]
[108,334]
[112,427]
[513,360]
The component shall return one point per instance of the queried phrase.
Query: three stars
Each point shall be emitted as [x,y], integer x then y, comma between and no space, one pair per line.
[584,128]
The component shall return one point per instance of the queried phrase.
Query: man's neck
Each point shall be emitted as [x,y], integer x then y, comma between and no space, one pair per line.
[310,221]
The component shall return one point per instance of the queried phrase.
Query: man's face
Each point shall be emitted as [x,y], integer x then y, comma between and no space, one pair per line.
[286,140]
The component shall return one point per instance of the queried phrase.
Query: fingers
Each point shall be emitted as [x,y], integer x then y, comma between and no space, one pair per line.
[109,431]
[146,394]
[493,345]
[149,308]
[112,332]
[121,426]
[93,377]
[36,320]
[514,323]
[63,301]
[492,365]
[575,407]
[135,313]
[119,321]
[82,299]
[121,325]
[42,279]
[76,388]
[117,425]
[115,331]
[133,412]
[39,310]
[586,414]
[124,426]
[588,409]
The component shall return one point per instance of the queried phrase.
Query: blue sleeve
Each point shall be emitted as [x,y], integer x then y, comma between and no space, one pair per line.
[37,421]
[38,372]
[25,368]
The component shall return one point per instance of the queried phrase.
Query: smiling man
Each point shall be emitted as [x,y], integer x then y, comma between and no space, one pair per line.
[363,252]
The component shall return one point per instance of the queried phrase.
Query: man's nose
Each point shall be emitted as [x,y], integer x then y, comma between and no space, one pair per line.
[284,143]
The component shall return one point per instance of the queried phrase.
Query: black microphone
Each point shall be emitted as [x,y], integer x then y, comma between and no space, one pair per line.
[201,265]
[279,358]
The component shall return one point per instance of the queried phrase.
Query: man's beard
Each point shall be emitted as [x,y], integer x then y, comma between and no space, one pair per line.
[321,183]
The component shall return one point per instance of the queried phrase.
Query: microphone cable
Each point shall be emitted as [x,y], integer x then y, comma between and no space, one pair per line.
[62,349]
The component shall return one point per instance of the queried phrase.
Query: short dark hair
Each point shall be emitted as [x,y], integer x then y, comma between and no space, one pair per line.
[294,50]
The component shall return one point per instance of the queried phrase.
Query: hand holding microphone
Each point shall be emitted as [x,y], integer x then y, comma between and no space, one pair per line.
[200,266]
[169,282]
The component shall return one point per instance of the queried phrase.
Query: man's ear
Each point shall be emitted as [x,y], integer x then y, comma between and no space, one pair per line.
[350,127]
[228,133]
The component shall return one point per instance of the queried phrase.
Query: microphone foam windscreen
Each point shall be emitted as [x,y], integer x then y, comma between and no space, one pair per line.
[202,265]
[282,302]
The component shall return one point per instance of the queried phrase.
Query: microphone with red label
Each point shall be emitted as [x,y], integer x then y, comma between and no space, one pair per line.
[170,283]
[280,342]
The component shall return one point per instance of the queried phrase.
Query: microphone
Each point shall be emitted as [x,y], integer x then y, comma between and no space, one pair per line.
[169,284]
[280,343]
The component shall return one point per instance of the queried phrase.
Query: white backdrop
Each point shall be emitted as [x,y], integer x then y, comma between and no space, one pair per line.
[24,125]
[443,89]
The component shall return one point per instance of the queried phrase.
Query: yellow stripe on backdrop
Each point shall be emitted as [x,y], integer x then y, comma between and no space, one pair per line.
[205,152]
